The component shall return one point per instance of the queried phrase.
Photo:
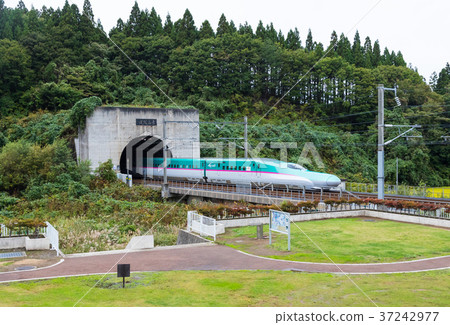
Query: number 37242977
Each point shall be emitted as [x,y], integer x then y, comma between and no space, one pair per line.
[410,316]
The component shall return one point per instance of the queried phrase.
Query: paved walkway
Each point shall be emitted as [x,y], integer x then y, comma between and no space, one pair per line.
[209,257]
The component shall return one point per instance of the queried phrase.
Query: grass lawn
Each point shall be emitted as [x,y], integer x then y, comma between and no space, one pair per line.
[234,288]
[349,240]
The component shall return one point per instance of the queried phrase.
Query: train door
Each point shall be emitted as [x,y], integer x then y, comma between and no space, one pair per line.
[203,165]
[258,169]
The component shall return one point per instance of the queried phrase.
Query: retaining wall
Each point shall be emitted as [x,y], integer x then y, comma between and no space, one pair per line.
[342,214]
[30,244]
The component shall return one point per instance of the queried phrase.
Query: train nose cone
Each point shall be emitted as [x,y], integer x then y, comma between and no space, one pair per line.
[333,181]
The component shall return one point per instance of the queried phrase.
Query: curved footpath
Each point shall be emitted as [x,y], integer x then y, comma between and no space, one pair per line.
[207,257]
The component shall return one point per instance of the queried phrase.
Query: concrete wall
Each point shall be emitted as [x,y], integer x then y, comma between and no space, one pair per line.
[343,214]
[110,129]
[36,244]
[185,237]
[29,244]
[12,242]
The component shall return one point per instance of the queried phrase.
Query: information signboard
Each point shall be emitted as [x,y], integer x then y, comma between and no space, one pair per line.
[280,221]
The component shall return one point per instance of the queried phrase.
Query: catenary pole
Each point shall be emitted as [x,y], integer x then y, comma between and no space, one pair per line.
[381,142]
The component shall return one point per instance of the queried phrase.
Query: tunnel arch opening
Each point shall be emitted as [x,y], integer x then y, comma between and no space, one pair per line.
[136,153]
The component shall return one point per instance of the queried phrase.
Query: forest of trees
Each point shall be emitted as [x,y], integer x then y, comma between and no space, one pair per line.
[51,58]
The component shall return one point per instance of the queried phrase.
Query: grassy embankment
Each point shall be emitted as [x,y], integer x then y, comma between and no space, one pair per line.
[352,240]
[234,288]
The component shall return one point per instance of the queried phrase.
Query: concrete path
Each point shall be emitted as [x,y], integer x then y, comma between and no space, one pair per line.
[207,257]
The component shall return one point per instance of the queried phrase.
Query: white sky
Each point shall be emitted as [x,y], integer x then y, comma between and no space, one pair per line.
[418,28]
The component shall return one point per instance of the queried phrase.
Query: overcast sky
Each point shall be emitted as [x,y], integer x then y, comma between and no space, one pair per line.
[418,28]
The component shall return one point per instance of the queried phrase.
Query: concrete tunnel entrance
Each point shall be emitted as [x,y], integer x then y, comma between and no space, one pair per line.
[133,159]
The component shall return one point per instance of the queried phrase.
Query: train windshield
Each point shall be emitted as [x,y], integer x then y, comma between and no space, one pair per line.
[296,166]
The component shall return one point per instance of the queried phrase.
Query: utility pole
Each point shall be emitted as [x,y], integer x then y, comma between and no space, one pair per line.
[396,176]
[380,142]
[165,187]
[245,137]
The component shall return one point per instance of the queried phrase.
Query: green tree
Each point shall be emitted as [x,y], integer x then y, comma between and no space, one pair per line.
[246,29]
[206,30]
[223,26]
[82,110]
[185,30]
[293,40]
[309,44]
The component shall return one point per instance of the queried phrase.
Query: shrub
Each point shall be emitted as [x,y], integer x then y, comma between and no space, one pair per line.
[288,206]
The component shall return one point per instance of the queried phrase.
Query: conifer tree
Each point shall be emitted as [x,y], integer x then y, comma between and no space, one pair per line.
[260,31]
[309,44]
[246,29]
[376,54]
[206,30]
[185,30]
[223,27]
[293,40]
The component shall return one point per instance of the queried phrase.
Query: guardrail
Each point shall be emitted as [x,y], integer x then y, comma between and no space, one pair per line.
[419,191]
[436,213]
[201,224]
[248,189]
[53,236]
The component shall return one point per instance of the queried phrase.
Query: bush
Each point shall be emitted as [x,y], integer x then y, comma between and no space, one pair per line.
[82,110]
[288,206]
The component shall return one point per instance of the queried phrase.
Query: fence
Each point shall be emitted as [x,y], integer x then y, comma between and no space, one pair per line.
[53,236]
[20,231]
[437,212]
[201,224]
[420,191]
[3,231]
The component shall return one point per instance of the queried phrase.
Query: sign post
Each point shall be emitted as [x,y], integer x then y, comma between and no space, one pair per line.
[123,271]
[280,222]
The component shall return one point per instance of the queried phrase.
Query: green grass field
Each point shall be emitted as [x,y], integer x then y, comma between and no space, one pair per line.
[349,240]
[234,288]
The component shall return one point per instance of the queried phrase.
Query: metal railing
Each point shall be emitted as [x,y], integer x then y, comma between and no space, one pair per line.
[53,236]
[438,213]
[201,224]
[419,191]
[248,189]
[3,230]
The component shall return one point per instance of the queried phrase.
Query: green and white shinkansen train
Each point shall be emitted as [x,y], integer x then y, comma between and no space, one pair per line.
[239,171]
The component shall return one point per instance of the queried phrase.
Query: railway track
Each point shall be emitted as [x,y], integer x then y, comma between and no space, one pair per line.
[284,193]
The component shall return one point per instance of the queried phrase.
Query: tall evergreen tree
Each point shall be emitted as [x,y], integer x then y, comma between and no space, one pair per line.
[293,40]
[309,44]
[443,81]
[399,61]
[332,48]
[133,24]
[206,30]
[169,29]
[368,52]
[386,58]
[358,56]
[260,31]
[223,27]
[280,38]
[246,29]
[376,54]
[344,48]
[87,11]
[271,33]
[233,28]
[155,23]
[185,30]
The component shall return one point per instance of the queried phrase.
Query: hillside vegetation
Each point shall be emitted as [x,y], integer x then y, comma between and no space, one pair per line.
[292,90]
